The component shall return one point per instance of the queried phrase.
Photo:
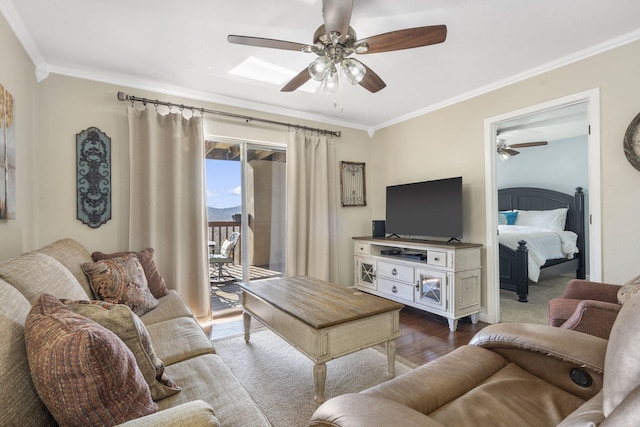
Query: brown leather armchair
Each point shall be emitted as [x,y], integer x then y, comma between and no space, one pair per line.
[585,306]
[511,375]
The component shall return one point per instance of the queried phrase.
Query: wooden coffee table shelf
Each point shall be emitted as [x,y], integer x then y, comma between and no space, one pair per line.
[322,320]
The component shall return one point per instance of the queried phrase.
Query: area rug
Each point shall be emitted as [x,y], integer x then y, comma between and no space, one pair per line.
[534,311]
[280,379]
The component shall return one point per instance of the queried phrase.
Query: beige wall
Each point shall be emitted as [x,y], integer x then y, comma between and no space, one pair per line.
[17,75]
[450,142]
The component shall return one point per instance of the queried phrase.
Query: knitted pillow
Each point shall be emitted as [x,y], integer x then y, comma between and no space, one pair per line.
[119,319]
[121,280]
[628,290]
[156,282]
[82,371]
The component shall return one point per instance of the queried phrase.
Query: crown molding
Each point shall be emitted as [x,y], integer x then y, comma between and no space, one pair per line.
[25,39]
[532,72]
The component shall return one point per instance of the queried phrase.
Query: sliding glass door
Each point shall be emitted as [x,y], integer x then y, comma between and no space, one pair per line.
[246,184]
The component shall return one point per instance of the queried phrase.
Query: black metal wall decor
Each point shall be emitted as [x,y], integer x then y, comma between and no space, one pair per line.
[352,184]
[93,155]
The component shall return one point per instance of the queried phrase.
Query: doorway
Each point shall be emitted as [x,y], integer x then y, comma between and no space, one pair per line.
[246,188]
[492,127]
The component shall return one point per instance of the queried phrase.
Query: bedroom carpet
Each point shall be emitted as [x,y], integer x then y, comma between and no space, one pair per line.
[280,379]
[534,311]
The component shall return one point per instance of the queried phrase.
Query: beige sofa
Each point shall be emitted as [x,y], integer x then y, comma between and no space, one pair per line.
[210,395]
[511,375]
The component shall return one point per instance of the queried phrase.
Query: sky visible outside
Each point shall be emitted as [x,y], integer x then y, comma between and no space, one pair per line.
[223,183]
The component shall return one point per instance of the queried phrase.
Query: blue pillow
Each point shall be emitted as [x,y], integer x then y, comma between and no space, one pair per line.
[507,217]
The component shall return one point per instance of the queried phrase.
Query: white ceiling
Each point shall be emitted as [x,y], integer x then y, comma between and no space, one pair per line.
[180,48]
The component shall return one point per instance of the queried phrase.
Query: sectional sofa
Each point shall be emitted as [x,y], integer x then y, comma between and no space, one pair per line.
[192,384]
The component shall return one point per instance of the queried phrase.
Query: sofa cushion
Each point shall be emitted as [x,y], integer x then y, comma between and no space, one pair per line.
[119,319]
[628,290]
[169,307]
[155,281]
[208,378]
[72,255]
[21,405]
[83,372]
[121,280]
[35,273]
[179,339]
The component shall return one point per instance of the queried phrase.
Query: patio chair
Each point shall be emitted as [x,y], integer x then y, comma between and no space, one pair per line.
[225,256]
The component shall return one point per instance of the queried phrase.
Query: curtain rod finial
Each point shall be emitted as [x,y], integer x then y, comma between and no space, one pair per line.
[122,96]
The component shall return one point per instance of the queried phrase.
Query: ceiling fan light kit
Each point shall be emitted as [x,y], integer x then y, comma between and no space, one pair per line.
[334,43]
[506,151]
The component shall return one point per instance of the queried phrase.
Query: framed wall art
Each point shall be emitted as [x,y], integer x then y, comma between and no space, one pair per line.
[7,156]
[93,151]
[352,184]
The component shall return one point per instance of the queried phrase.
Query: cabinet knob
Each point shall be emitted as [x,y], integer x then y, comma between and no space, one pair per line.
[394,290]
[394,271]
[436,259]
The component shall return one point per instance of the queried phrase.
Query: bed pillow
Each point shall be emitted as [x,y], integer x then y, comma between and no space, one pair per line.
[82,371]
[554,219]
[121,280]
[155,281]
[507,217]
[119,319]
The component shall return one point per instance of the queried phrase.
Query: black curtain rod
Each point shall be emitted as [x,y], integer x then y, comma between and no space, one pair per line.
[124,97]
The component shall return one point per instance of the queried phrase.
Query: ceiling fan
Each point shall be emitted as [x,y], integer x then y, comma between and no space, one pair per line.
[506,150]
[335,42]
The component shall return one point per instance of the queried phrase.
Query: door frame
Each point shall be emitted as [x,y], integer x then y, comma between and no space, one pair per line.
[592,98]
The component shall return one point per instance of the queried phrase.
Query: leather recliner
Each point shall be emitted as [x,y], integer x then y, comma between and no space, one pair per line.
[511,374]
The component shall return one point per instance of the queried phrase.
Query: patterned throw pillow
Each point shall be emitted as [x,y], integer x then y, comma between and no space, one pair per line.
[121,280]
[628,290]
[155,281]
[84,373]
[119,319]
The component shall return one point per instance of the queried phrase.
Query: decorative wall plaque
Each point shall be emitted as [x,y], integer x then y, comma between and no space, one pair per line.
[93,151]
[352,184]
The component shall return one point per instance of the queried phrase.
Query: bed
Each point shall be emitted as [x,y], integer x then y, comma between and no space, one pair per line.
[520,256]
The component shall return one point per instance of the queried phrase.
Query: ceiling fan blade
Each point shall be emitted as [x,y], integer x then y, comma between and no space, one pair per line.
[293,84]
[528,144]
[510,152]
[371,81]
[406,39]
[261,42]
[337,16]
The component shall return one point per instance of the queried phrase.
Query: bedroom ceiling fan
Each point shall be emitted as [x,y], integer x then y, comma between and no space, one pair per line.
[505,150]
[335,42]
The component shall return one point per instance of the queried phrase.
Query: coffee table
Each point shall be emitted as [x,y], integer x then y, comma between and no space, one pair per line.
[322,320]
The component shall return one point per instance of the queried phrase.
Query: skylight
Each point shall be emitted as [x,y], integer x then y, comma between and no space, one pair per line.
[263,71]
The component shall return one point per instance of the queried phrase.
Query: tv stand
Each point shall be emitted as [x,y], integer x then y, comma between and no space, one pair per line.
[454,240]
[439,277]
[393,235]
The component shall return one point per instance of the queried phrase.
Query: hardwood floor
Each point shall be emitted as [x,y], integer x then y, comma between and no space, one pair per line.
[425,336]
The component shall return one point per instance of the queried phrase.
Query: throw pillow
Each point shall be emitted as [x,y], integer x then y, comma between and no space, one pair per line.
[507,217]
[121,280]
[82,371]
[628,290]
[155,281]
[119,319]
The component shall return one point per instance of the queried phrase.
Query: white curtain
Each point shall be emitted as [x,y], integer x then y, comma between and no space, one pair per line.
[311,207]
[167,200]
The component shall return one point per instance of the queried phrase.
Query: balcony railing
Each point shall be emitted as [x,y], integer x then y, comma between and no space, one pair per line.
[218,231]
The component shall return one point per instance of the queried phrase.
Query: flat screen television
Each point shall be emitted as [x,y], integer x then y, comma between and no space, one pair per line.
[425,209]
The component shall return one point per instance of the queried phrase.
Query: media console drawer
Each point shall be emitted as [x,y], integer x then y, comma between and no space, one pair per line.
[402,291]
[403,273]
[437,258]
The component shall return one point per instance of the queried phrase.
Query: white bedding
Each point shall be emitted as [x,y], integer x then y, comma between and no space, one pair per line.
[543,244]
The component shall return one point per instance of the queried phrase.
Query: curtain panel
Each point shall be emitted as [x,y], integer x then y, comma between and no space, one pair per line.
[311,207]
[167,200]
